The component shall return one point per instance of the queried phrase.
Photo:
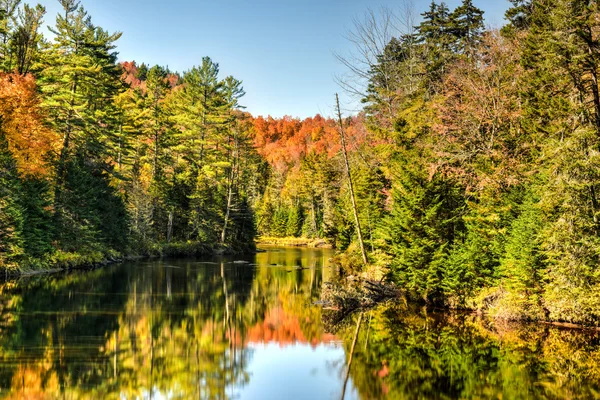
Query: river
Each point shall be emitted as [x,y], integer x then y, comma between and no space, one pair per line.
[248,328]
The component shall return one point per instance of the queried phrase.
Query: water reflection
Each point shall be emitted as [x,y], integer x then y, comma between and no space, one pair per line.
[165,329]
[407,353]
[231,328]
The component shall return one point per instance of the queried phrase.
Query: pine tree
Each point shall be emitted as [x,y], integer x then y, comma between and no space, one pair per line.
[420,229]
[79,82]
[201,108]
[8,13]
[26,38]
[466,25]
[518,16]
[38,231]
[279,224]
[295,221]
[436,38]
[232,93]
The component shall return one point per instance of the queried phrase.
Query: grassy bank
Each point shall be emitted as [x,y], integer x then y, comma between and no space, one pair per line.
[293,242]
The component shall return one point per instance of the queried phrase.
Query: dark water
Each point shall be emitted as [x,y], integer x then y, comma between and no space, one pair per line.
[223,329]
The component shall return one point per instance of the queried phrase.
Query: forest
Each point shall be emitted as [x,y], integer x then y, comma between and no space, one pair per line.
[470,177]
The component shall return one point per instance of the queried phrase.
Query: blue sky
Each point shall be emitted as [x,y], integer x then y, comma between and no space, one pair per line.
[281,49]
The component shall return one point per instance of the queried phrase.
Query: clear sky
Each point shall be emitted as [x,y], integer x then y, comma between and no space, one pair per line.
[281,49]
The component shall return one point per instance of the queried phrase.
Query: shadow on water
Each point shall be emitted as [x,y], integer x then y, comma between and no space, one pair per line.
[225,328]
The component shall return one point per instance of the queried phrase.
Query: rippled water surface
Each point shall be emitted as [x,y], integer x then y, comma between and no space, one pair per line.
[248,328]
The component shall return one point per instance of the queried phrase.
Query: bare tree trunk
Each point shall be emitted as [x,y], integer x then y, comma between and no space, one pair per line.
[350,185]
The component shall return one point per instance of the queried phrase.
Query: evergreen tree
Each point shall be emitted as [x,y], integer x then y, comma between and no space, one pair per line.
[79,81]
[142,72]
[436,38]
[522,266]
[295,221]
[26,39]
[38,231]
[422,225]
[279,224]
[466,25]
[8,13]
[518,16]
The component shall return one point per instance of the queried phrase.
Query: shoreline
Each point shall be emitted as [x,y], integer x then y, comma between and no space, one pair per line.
[364,294]
[90,262]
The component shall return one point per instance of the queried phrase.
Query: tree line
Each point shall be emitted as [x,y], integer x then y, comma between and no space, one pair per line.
[488,142]
[100,158]
[474,159]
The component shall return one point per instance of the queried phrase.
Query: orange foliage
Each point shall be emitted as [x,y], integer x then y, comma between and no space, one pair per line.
[284,329]
[130,73]
[29,140]
[129,76]
[285,141]
[27,383]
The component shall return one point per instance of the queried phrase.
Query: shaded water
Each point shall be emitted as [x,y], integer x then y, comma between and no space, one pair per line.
[247,328]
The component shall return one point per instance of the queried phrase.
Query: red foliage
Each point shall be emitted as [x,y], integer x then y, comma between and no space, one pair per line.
[285,141]
[130,71]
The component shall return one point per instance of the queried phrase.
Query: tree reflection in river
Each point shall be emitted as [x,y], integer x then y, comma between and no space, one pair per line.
[178,329]
[407,353]
[226,328]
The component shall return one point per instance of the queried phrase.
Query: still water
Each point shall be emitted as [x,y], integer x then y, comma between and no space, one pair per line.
[248,328]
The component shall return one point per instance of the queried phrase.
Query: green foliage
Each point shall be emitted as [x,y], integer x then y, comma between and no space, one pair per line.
[92,215]
[422,225]
[11,212]
[38,229]
[466,25]
[146,156]
[279,222]
[522,265]
[295,221]
[407,353]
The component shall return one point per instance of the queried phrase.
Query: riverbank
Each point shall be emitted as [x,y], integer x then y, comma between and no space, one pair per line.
[67,261]
[294,242]
[351,294]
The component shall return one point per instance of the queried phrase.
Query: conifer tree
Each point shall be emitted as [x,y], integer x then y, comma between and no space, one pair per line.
[8,13]
[79,81]
[436,38]
[518,15]
[232,93]
[26,38]
[465,23]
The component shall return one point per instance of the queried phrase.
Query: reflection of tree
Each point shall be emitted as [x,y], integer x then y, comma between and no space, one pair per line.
[408,354]
[135,331]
